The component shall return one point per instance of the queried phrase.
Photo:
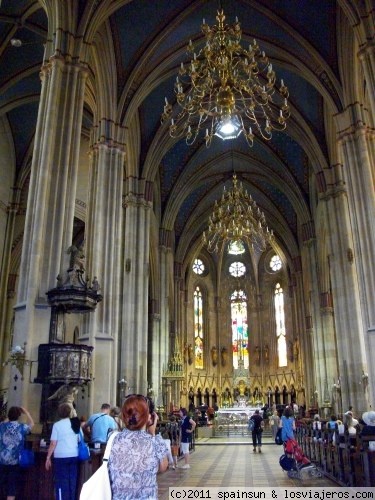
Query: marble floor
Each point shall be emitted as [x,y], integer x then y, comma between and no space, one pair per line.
[231,462]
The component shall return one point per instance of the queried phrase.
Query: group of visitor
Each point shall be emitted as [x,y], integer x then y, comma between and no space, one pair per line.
[137,454]
[285,426]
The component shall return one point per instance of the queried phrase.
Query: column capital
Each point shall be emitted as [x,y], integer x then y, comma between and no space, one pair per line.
[297,264]
[165,238]
[352,122]
[108,134]
[308,232]
[178,270]
[367,50]
[63,63]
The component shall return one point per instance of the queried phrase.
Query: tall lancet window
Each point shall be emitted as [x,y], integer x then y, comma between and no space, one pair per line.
[198,328]
[280,325]
[240,333]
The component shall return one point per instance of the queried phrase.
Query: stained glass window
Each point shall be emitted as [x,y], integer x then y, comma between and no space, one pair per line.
[236,247]
[275,263]
[237,269]
[198,328]
[240,333]
[198,266]
[280,325]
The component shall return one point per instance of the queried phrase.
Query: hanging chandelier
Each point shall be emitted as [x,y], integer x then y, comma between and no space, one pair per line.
[226,90]
[236,219]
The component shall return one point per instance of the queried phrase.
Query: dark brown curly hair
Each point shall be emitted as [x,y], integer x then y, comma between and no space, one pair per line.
[14,413]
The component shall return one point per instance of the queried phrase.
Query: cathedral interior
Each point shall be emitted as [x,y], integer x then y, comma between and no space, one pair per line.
[141,253]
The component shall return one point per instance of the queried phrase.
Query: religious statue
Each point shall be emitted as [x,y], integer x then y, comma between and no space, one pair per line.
[269,396]
[296,349]
[185,353]
[199,397]
[214,399]
[277,395]
[206,397]
[224,356]
[190,354]
[257,355]
[66,394]
[191,399]
[266,353]
[227,397]
[290,351]
[285,395]
[77,258]
[95,284]
[293,394]
[214,355]
[241,387]
[183,397]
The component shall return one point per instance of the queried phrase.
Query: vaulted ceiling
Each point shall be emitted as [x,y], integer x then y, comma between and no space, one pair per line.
[149,42]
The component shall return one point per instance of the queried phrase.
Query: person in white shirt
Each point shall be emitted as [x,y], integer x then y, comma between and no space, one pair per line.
[64,448]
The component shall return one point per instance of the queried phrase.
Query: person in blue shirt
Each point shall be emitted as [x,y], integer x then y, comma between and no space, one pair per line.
[12,434]
[100,424]
[287,424]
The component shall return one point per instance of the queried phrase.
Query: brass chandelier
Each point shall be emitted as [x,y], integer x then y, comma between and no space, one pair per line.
[227,89]
[236,219]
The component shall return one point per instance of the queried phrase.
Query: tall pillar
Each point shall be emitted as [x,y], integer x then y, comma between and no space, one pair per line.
[346,299]
[155,378]
[50,210]
[178,304]
[302,338]
[367,58]
[134,328]
[356,148]
[329,344]
[166,269]
[314,340]
[5,277]
[103,250]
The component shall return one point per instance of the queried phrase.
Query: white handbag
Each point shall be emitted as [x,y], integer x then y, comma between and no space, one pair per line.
[99,486]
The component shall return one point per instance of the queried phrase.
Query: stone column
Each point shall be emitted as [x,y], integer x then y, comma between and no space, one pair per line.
[166,269]
[301,335]
[179,296]
[313,341]
[155,368]
[50,208]
[5,278]
[329,344]
[356,148]
[104,237]
[367,58]
[134,328]
[346,299]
